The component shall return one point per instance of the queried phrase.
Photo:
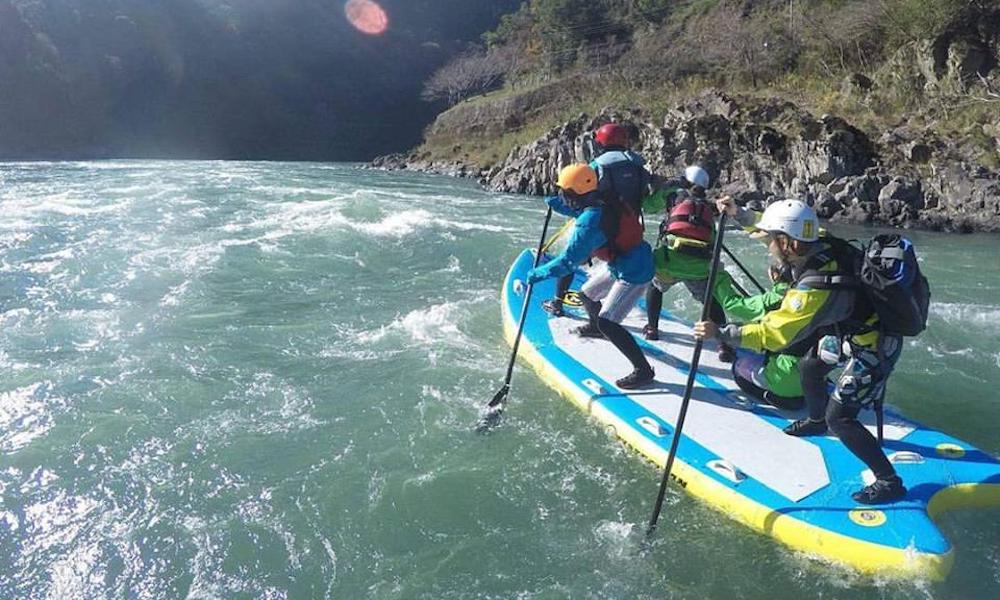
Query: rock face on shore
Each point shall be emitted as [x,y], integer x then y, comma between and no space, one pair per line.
[759,151]
[762,151]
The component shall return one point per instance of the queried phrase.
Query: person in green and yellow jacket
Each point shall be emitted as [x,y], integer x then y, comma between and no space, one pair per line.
[818,317]
[768,377]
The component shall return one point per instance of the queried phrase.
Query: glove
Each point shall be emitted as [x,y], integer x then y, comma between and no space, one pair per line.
[535,275]
[552,201]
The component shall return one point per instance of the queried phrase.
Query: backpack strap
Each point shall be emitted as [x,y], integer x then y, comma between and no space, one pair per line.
[844,278]
[837,281]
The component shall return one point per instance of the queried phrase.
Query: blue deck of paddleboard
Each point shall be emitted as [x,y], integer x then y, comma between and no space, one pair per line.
[908,525]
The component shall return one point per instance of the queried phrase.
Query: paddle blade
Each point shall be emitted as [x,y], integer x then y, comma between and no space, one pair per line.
[494,411]
[490,419]
[500,397]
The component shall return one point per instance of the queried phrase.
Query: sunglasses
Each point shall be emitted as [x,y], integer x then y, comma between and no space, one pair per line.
[568,194]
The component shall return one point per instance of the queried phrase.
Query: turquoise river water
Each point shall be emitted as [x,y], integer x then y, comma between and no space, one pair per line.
[259,380]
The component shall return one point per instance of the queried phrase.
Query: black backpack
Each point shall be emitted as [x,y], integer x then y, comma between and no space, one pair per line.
[628,182]
[890,276]
[886,271]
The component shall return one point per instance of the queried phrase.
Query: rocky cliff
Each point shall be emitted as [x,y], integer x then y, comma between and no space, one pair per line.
[758,149]
[762,150]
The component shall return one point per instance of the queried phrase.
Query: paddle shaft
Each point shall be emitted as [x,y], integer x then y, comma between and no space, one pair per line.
[555,237]
[695,357]
[742,268]
[526,305]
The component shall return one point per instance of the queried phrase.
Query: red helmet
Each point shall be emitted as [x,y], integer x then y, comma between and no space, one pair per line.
[612,135]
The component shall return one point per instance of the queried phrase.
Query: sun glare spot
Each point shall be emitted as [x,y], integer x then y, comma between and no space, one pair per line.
[366,16]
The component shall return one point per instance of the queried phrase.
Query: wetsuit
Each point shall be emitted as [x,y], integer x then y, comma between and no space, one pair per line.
[770,377]
[608,296]
[620,173]
[809,312]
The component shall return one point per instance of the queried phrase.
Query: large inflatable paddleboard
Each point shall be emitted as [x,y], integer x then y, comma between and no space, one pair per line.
[733,453]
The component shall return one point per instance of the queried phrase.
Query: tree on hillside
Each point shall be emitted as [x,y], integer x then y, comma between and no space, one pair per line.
[476,71]
[732,42]
[566,25]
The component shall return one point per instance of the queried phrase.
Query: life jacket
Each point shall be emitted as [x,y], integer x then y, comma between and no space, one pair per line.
[887,276]
[627,179]
[622,227]
[691,218]
[812,275]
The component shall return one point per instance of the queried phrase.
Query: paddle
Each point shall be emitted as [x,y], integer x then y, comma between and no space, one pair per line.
[744,269]
[555,237]
[494,410]
[695,357]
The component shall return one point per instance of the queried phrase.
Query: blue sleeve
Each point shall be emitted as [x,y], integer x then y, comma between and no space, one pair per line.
[587,237]
[557,205]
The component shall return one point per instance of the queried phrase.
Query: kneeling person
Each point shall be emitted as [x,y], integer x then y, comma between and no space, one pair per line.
[610,232]
[768,377]
[813,316]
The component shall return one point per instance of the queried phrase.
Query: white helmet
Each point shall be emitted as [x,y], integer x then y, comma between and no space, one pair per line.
[697,176]
[794,218]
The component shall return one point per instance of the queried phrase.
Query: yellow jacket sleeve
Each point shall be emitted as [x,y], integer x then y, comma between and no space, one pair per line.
[791,321]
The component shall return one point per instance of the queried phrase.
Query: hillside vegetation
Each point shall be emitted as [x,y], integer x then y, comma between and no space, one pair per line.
[929,64]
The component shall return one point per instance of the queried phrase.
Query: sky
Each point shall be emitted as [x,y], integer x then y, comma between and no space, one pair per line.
[256,79]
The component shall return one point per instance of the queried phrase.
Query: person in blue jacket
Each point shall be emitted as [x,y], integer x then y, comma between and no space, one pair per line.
[621,177]
[603,230]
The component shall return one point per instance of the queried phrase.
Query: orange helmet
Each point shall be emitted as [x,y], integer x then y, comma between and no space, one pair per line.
[578,178]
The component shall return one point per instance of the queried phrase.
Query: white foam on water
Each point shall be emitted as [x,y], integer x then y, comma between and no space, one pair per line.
[24,417]
[615,537]
[80,574]
[425,325]
[65,204]
[290,218]
[398,224]
[103,165]
[940,353]
[14,239]
[454,265]
[967,314]
[173,296]
[614,530]
[101,326]
[57,521]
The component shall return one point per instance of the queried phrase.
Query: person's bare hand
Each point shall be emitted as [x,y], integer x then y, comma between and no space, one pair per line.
[726,204]
[705,330]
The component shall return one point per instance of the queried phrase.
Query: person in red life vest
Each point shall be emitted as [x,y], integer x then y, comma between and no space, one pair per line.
[608,231]
[683,251]
[621,178]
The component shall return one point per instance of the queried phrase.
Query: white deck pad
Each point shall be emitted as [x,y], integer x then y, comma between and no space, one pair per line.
[675,339]
[717,420]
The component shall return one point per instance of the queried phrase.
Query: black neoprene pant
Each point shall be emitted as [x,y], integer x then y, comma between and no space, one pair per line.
[562,286]
[842,419]
[625,343]
[616,334]
[654,305]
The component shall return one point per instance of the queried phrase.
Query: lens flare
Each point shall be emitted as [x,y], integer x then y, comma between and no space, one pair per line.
[366,16]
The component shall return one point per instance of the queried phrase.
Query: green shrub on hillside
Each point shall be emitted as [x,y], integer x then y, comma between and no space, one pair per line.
[818,53]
